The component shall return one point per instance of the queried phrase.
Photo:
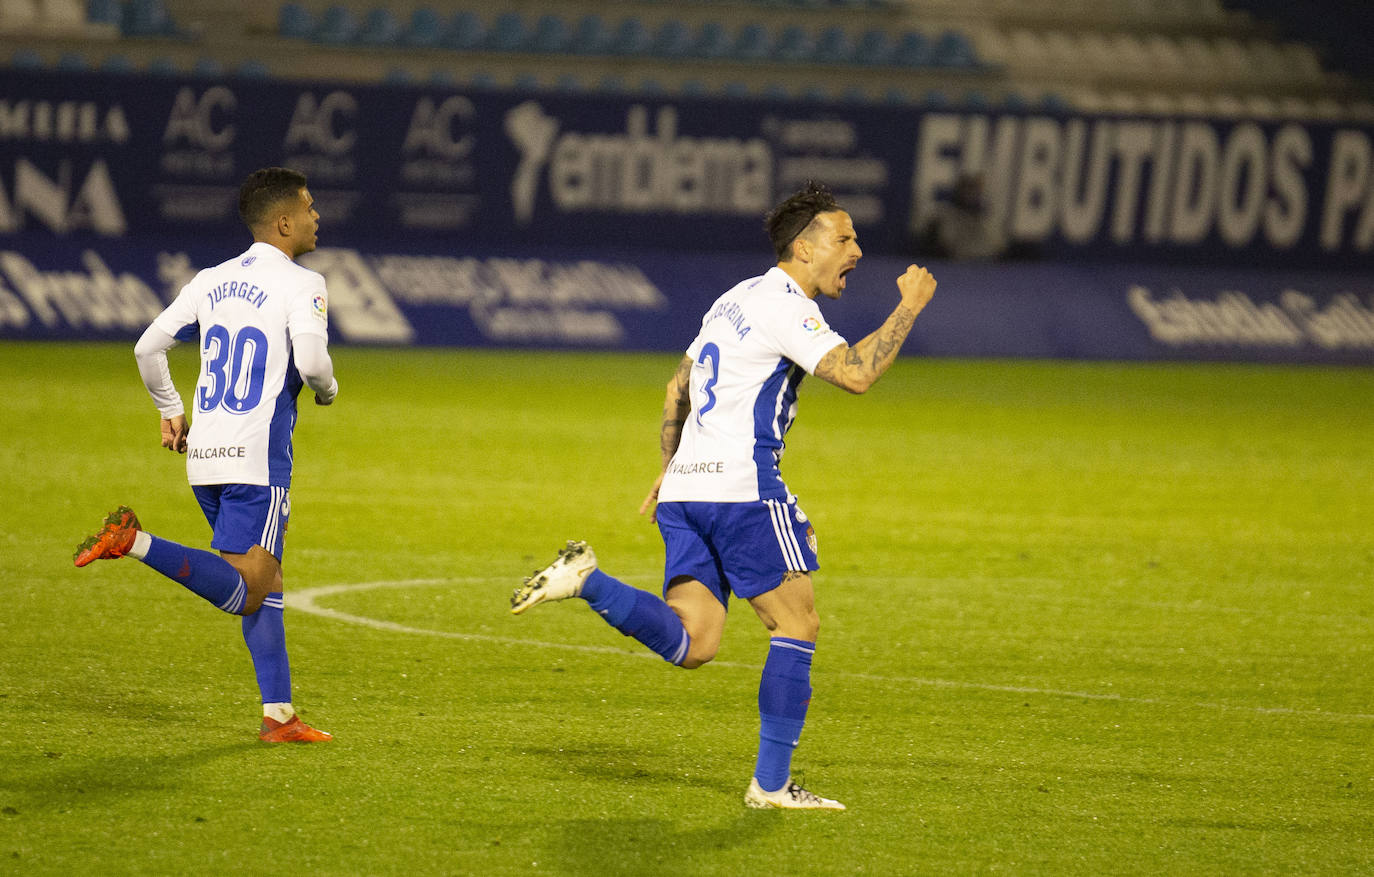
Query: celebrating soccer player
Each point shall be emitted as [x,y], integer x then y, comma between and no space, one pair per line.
[729,523]
[263,334]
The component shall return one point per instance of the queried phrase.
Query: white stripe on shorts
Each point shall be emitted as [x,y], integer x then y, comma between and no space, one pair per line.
[270,529]
[787,540]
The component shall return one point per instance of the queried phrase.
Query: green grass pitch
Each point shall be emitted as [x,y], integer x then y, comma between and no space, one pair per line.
[1075,619]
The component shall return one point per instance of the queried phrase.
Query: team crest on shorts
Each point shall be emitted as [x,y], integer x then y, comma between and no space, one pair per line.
[811,539]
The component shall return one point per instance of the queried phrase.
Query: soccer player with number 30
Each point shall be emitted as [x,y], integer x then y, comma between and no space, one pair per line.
[263,328]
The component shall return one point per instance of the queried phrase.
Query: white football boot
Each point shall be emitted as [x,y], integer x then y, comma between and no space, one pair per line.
[790,797]
[559,580]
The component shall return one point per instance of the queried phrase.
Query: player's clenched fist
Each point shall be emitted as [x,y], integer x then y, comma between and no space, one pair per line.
[917,286]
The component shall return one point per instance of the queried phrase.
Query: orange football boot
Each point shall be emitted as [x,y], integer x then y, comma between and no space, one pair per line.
[294,731]
[112,540]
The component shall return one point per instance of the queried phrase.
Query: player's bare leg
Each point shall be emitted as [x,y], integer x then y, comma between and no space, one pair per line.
[702,615]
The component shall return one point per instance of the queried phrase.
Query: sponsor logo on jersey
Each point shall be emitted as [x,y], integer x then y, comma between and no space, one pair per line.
[238,451]
[249,261]
[697,468]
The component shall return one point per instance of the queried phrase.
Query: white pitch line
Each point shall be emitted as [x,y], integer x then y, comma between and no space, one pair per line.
[304,601]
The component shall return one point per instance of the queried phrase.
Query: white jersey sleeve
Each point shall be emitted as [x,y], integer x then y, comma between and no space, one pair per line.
[801,333]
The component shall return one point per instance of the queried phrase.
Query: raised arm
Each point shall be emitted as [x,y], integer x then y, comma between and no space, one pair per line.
[677,404]
[858,367]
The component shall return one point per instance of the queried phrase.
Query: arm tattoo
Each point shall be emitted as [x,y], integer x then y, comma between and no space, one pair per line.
[859,366]
[675,408]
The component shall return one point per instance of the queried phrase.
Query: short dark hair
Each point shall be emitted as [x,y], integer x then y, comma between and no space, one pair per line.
[790,218]
[264,190]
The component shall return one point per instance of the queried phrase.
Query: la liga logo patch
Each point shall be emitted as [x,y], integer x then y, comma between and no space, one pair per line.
[318,304]
[812,325]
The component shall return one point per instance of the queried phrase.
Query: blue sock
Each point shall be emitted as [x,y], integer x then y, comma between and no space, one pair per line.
[638,614]
[203,573]
[784,695]
[265,635]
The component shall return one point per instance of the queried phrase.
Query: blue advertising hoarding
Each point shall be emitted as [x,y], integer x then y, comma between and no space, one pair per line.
[610,222]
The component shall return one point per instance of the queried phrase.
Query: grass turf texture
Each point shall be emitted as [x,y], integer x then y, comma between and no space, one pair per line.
[1076,618]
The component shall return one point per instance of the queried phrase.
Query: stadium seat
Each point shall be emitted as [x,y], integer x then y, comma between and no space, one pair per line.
[673,39]
[567,82]
[631,38]
[72,62]
[551,34]
[953,49]
[147,18]
[295,22]
[26,59]
[832,46]
[480,79]
[853,94]
[590,36]
[507,33]
[712,41]
[337,26]
[611,84]
[873,48]
[252,68]
[207,68]
[465,32]
[793,44]
[117,64]
[813,93]
[752,43]
[912,50]
[935,99]
[525,82]
[442,78]
[426,29]
[735,89]
[104,12]
[397,76]
[163,66]
[775,91]
[693,88]
[651,87]
[379,28]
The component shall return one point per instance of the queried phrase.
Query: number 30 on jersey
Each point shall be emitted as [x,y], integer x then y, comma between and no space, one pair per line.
[235,369]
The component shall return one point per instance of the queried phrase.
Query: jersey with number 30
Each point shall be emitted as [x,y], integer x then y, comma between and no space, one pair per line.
[756,344]
[244,411]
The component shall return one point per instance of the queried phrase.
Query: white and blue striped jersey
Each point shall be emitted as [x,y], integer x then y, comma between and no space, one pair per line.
[756,343]
[247,310]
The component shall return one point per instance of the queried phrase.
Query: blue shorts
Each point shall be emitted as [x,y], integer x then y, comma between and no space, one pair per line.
[244,515]
[743,548]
